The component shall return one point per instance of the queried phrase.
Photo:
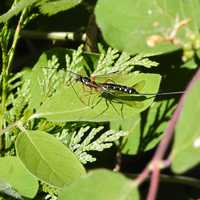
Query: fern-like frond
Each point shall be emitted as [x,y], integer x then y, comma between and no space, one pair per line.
[16,81]
[82,142]
[105,62]
[51,190]
[52,78]
[19,101]
[114,62]
[142,60]
[73,63]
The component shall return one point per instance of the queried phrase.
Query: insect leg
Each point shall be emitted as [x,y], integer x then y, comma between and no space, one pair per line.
[114,108]
[107,106]
[78,96]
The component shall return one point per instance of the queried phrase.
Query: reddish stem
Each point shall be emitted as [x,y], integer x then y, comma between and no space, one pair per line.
[162,148]
[154,181]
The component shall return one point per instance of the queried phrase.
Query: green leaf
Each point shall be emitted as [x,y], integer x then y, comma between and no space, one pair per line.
[153,122]
[47,158]
[16,9]
[186,150]
[14,173]
[100,185]
[46,7]
[74,104]
[53,7]
[146,26]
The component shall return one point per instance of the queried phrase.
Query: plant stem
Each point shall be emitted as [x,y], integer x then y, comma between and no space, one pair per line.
[7,61]
[11,52]
[8,128]
[4,91]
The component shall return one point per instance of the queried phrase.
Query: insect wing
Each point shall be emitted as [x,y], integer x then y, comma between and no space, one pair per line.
[139,86]
[116,97]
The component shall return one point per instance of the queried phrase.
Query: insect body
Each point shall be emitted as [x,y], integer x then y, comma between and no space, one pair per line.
[117,87]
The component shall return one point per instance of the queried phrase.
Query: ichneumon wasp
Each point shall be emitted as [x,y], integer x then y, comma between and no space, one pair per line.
[114,93]
[120,94]
[114,87]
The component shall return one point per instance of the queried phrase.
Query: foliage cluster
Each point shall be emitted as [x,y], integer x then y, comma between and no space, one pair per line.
[54,126]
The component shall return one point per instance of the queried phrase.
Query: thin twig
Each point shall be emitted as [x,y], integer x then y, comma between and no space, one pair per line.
[154,181]
[8,128]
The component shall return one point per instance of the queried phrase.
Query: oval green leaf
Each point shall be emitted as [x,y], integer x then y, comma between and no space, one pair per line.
[147,26]
[101,185]
[13,172]
[186,150]
[47,158]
